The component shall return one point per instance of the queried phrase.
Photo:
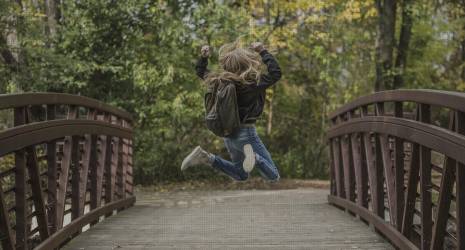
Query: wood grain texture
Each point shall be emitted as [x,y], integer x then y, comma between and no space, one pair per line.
[272,220]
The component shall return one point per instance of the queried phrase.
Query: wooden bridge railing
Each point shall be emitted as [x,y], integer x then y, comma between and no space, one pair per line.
[397,162]
[65,161]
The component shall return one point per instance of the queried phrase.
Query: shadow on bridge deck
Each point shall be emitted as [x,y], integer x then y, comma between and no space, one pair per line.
[272,220]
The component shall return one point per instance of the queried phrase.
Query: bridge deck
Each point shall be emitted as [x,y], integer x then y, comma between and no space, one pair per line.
[272,220]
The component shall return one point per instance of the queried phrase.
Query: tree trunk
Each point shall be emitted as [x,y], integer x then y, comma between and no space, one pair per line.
[8,56]
[269,124]
[51,12]
[404,41]
[385,43]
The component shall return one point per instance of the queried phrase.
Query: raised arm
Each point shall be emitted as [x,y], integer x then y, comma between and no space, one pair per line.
[274,71]
[202,63]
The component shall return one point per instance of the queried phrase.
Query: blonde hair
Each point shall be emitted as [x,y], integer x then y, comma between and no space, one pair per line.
[239,65]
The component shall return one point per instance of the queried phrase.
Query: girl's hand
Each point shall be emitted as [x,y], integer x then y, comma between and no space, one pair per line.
[257,47]
[205,51]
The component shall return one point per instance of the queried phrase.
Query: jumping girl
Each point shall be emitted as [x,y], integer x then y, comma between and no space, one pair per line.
[241,66]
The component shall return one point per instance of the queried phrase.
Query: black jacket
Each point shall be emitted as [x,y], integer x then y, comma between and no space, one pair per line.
[250,97]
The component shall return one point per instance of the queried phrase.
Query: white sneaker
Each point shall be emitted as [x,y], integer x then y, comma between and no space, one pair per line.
[197,157]
[249,161]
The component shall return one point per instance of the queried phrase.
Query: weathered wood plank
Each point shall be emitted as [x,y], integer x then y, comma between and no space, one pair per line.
[348,166]
[338,168]
[445,197]
[21,210]
[460,187]
[97,172]
[6,234]
[359,159]
[89,159]
[52,176]
[425,185]
[250,219]
[36,187]
[399,171]
[75,178]
[379,166]
[389,172]
[412,187]
[64,174]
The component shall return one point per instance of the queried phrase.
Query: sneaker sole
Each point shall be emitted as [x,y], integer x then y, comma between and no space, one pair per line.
[249,161]
[188,158]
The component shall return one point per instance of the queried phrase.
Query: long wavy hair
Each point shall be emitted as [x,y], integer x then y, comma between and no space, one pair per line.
[237,64]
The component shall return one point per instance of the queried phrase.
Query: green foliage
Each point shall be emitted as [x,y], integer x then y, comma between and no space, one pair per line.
[140,55]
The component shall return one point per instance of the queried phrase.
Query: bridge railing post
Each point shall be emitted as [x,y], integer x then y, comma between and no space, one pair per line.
[57,158]
[384,165]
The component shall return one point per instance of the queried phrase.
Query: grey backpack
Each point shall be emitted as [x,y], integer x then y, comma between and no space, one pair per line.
[221,110]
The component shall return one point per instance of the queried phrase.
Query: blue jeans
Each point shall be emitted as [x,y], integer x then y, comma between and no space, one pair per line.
[235,145]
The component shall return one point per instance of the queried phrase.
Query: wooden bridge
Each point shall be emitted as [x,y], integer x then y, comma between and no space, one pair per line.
[397,166]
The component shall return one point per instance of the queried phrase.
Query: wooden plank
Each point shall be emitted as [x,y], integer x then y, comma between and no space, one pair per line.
[376,188]
[338,168]
[399,171]
[125,167]
[108,169]
[36,187]
[64,174]
[130,170]
[389,173]
[332,169]
[460,187]
[52,176]
[425,185]
[412,186]
[445,197]
[37,194]
[111,177]
[317,226]
[359,159]
[97,173]
[6,234]
[75,178]
[89,160]
[379,167]
[21,207]
[349,179]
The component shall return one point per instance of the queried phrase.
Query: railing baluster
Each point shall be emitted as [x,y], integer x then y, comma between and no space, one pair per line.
[88,161]
[399,169]
[52,176]
[348,168]
[111,178]
[379,110]
[97,173]
[36,188]
[64,174]
[445,196]
[124,166]
[389,172]
[460,186]
[20,187]
[6,234]
[108,166]
[425,184]
[338,167]
[359,159]
[332,170]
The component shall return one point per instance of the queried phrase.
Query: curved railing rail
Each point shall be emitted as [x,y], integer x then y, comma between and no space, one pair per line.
[65,161]
[397,161]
